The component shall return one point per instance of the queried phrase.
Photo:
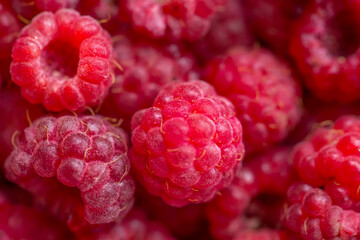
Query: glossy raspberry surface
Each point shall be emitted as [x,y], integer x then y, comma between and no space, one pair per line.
[264,92]
[186,147]
[62,60]
[76,167]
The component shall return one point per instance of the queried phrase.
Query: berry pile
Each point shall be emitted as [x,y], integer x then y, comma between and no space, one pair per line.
[180,119]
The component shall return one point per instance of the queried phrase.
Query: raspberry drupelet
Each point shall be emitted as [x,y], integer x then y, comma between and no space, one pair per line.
[266,96]
[325,48]
[175,20]
[145,68]
[76,167]
[311,213]
[186,147]
[62,60]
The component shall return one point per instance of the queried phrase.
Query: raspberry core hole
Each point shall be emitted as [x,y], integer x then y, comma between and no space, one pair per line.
[60,59]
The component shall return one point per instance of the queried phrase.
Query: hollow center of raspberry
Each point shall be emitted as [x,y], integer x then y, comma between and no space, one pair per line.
[343,37]
[60,59]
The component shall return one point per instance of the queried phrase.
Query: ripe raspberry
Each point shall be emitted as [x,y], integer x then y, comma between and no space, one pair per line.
[272,20]
[325,47]
[9,28]
[146,68]
[266,176]
[229,28]
[134,226]
[318,158]
[62,60]
[16,114]
[311,213]
[176,20]
[77,168]
[261,87]
[29,8]
[186,147]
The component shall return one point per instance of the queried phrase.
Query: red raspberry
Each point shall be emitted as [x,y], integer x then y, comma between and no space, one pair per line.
[325,47]
[180,19]
[267,176]
[186,147]
[134,226]
[146,68]
[311,213]
[76,167]
[16,114]
[229,28]
[272,20]
[62,60]
[261,87]
[29,8]
[319,158]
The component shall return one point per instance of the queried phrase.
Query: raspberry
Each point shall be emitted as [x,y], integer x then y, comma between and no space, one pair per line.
[134,226]
[261,87]
[146,68]
[267,176]
[324,46]
[311,213]
[186,147]
[62,60]
[318,158]
[176,20]
[229,28]
[77,168]
[272,20]
[16,115]
[29,8]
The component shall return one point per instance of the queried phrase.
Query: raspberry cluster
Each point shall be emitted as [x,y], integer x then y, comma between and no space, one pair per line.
[179,119]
